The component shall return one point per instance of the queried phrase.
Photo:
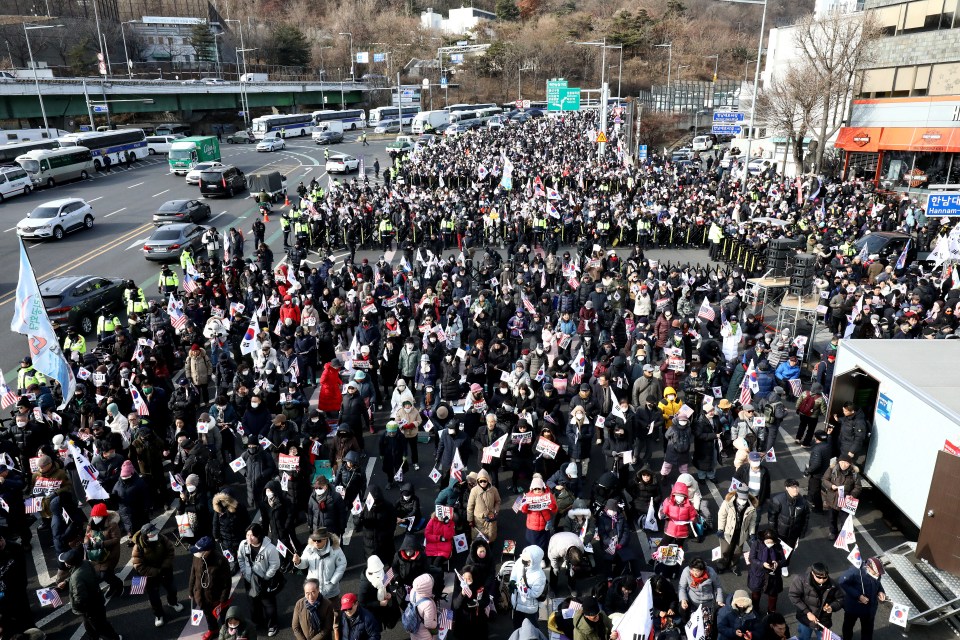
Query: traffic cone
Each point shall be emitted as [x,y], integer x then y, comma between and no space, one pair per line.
[286,200]
[266,215]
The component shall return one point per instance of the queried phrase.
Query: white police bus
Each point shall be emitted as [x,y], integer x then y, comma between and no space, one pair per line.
[120,145]
[289,126]
[404,114]
[351,119]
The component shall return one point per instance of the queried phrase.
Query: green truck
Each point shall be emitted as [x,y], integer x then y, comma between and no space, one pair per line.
[187,152]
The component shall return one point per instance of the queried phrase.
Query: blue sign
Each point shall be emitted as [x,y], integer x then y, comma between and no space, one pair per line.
[443,81]
[884,406]
[727,116]
[642,152]
[100,108]
[726,129]
[456,58]
[945,203]
[379,57]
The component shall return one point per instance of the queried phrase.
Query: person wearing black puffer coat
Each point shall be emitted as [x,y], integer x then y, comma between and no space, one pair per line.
[229,523]
[378,524]
[280,518]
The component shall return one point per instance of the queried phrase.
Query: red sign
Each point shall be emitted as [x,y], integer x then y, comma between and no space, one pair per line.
[951,448]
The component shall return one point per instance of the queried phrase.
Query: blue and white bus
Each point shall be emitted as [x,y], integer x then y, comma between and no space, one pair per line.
[121,145]
[296,124]
[351,119]
[405,114]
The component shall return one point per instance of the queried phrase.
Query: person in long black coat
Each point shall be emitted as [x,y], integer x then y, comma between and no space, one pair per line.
[280,517]
[378,524]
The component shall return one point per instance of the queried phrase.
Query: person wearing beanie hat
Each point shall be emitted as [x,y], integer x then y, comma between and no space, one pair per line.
[133,500]
[392,448]
[756,477]
[539,505]
[862,594]
[766,561]
[590,623]
[86,599]
[195,506]
[738,620]
[102,542]
[208,585]
[816,597]
[614,533]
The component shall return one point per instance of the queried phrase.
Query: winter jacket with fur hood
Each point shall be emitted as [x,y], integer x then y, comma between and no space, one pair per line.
[326,565]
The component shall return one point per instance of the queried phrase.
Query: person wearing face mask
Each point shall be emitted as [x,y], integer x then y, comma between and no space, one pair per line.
[260,468]
[260,568]
[325,508]
[375,597]
[230,521]
[351,477]
[407,508]
[614,533]
[862,594]
[153,559]
[452,440]
[527,584]
[109,461]
[195,505]
[236,626]
[678,445]
[766,561]
[470,601]
[650,424]
[256,419]
[737,621]
[279,516]
[134,501]
[678,514]
[86,599]
[736,519]
[102,542]
[756,478]
[483,506]
[354,411]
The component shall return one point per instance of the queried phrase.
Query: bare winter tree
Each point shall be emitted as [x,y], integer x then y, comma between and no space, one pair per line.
[788,106]
[836,47]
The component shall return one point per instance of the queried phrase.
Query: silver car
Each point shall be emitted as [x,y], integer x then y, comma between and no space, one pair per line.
[168,241]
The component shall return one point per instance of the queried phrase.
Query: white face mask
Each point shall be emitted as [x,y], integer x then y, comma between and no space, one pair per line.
[671,397]
[679,499]
[769,543]
[152,538]
[255,403]
[611,513]
[198,554]
[319,492]
[269,494]
[97,519]
[191,488]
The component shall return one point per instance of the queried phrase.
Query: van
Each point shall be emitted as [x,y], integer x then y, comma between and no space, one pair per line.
[222,181]
[171,129]
[13,182]
[702,143]
[161,144]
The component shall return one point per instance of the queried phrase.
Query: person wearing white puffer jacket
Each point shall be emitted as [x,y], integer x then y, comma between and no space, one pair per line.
[528,583]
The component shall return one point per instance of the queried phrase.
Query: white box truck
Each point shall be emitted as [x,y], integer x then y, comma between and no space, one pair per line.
[254,77]
[427,121]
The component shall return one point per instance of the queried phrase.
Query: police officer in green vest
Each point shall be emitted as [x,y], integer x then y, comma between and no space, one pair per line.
[285,227]
[539,228]
[106,324]
[27,376]
[386,232]
[74,341]
[168,282]
[603,230]
[446,230]
[186,259]
[133,296]
[302,229]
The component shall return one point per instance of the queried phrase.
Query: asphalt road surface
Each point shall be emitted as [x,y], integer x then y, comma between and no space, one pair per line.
[124,202]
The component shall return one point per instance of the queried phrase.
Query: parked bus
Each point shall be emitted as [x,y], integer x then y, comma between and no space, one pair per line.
[405,114]
[8,136]
[351,119]
[453,108]
[292,125]
[122,145]
[51,166]
[10,152]
[485,114]
[464,114]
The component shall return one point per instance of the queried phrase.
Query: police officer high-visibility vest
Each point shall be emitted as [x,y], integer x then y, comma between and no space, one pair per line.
[385,226]
[540,224]
[186,258]
[136,301]
[716,233]
[27,376]
[106,324]
[302,228]
[78,344]
[447,225]
[284,223]
[603,225]
[169,281]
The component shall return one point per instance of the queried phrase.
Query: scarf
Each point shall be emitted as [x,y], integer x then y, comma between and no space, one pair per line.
[313,609]
[696,582]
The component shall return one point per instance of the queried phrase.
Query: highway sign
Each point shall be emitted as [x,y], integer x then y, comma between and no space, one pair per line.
[101,108]
[443,81]
[642,152]
[553,94]
[944,203]
[569,99]
[726,129]
[728,117]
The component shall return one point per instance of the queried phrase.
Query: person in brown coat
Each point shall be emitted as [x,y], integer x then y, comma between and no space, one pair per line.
[483,505]
[153,559]
[102,542]
[198,370]
[209,583]
[313,614]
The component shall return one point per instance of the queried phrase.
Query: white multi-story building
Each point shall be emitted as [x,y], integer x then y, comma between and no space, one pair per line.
[823,8]
[459,21]
[168,38]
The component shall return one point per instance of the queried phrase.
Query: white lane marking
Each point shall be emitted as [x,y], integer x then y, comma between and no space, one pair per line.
[216,216]
[8,230]
[94,199]
[113,212]
[136,244]
[43,573]
[348,533]
[160,194]
[135,185]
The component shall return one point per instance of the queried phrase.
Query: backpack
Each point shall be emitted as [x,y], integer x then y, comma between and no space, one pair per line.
[774,411]
[95,550]
[681,440]
[410,618]
[806,404]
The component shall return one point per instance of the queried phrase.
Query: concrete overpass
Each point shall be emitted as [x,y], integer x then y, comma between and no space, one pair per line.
[67,98]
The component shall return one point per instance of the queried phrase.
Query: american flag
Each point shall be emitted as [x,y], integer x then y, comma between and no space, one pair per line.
[294,370]
[7,397]
[706,311]
[527,304]
[189,284]
[138,402]
[902,260]
[796,386]
[388,576]
[830,635]
[445,620]
[33,505]
[177,319]
[745,395]
[49,597]
[138,585]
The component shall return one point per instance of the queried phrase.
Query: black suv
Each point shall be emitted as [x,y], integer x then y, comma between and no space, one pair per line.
[222,181]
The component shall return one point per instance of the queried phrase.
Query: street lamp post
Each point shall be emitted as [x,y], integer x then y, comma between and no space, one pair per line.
[350,35]
[756,88]
[716,64]
[126,53]
[603,88]
[323,67]
[243,90]
[520,69]
[669,48]
[36,78]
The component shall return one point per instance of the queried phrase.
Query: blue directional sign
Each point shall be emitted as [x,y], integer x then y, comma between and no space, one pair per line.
[727,117]
[726,129]
[100,108]
[946,203]
[443,81]
[642,152]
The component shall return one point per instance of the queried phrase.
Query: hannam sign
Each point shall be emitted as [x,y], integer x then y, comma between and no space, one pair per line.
[945,203]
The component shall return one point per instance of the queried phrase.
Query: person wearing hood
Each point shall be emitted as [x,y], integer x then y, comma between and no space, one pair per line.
[344,441]
[645,489]
[527,631]
[325,508]
[679,444]
[236,626]
[862,594]
[409,562]
[736,519]
[259,565]
[528,584]
[256,419]
[439,539]
[737,621]
[565,552]
[375,597]
[540,506]
[330,394]
[401,394]
[392,448]
[351,477]
[766,561]
[580,434]
[678,514]
[378,522]
[407,506]
[102,542]
[86,599]
[480,559]
[421,594]
[816,598]
[229,523]
[470,601]
[279,517]
[409,420]
[209,584]
[590,623]
[483,506]
[452,439]
[324,561]
[614,533]
[260,468]
[153,559]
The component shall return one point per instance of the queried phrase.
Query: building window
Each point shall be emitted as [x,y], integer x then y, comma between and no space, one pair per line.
[945,79]
[934,166]
[954,173]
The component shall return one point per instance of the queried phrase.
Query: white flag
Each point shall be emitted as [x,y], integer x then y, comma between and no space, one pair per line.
[88,475]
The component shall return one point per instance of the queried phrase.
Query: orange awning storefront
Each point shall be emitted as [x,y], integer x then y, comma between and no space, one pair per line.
[859,139]
[929,139]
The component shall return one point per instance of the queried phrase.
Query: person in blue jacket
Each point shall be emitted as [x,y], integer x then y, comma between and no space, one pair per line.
[356,622]
[787,371]
[862,593]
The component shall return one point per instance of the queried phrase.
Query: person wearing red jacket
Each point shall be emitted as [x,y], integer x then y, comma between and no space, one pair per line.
[540,505]
[331,389]
[439,537]
[678,514]
[289,310]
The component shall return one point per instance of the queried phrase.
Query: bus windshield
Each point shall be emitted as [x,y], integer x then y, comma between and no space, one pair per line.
[259,126]
[30,166]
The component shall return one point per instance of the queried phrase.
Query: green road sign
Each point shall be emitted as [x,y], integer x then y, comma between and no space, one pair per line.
[570,99]
[554,87]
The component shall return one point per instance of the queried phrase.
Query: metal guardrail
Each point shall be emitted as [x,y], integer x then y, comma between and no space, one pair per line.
[27,86]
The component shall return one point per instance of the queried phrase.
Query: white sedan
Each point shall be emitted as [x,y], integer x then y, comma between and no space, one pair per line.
[193,176]
[341,163]
[271,144]
[55,218]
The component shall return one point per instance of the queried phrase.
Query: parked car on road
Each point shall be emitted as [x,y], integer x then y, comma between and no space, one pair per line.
[77,300]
